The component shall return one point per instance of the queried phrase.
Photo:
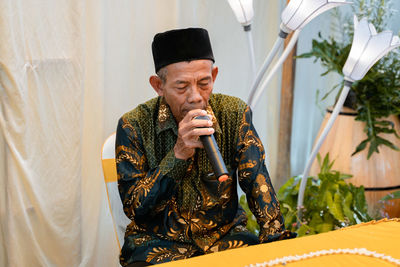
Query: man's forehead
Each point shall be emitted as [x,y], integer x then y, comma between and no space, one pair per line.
[202,65]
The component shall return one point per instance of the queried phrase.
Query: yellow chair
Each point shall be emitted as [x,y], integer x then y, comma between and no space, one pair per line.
[110,177]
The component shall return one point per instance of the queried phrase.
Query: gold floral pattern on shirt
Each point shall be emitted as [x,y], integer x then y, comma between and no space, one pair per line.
[247,165]
[213,118]
[248,137]
[176,252]
[142,240]
[142,188]
[132,156]
[229,245]
[262,188]
[163,112]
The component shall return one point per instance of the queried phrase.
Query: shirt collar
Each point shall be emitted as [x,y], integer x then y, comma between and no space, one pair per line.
[165,119]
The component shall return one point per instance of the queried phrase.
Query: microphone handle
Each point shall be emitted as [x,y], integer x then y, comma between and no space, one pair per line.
[217,162]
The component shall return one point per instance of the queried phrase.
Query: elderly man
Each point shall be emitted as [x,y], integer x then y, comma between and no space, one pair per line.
[178,207]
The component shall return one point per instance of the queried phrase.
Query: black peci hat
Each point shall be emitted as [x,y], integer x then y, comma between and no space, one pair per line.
[181,45]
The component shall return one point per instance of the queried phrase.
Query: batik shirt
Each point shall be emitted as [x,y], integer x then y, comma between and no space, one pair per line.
[178,208]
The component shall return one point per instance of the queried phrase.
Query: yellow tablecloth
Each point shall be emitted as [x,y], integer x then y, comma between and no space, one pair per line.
[382,236]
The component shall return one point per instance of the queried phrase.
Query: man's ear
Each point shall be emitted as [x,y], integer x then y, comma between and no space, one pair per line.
[156,83]
[214,73]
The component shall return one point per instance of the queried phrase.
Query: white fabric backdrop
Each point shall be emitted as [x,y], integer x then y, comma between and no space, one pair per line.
[54,211]
[41,80]
[68,70]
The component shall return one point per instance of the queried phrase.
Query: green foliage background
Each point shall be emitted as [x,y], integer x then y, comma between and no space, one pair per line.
[329,202]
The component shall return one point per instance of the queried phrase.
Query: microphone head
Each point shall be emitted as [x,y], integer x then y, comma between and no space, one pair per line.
[223,178]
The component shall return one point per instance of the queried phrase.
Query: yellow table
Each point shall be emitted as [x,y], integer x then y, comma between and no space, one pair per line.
[381,237]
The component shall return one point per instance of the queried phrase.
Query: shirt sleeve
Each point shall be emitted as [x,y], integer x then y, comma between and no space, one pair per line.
[255,182]
[143,190]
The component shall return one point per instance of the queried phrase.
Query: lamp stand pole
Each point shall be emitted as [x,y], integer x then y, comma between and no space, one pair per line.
[250,42]
[317,146]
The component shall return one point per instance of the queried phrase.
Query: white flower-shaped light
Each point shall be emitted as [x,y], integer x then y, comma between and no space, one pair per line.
[367,48]
[243,10]
[300,12]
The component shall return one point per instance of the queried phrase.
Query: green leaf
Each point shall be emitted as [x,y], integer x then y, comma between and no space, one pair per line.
[326,165]
[385,123]
[347,203]
[361,146]
[385,142]
[394,195]
[327,224]
[345,176]
[330,91]
[316,219]
[359,196]
[305,230]
[334,205]
[287,188]
[373,147]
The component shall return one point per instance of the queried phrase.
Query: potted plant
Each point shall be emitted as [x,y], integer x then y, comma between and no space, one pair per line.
[374,100]
[329,203]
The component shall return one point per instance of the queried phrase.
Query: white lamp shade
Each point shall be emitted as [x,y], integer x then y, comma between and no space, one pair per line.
[298,13]
[243,10]
[368,47]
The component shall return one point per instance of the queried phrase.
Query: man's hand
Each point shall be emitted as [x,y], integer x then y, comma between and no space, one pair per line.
[189,131]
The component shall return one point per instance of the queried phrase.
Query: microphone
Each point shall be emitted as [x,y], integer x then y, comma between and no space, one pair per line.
[212,150]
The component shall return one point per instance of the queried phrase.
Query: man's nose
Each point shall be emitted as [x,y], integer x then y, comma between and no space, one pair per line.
[194,95]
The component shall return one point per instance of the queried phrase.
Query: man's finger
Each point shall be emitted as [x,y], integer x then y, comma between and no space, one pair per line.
[194,134]
[202,131]
[194,113]
[200,123]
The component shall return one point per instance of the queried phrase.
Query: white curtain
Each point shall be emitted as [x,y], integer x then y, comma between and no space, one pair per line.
[41,92]
[68,70]
[53,206]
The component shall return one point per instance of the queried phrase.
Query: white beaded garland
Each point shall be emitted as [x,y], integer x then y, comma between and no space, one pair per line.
[323,252]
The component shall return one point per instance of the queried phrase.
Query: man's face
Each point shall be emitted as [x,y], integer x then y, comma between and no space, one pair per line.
[188,86]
